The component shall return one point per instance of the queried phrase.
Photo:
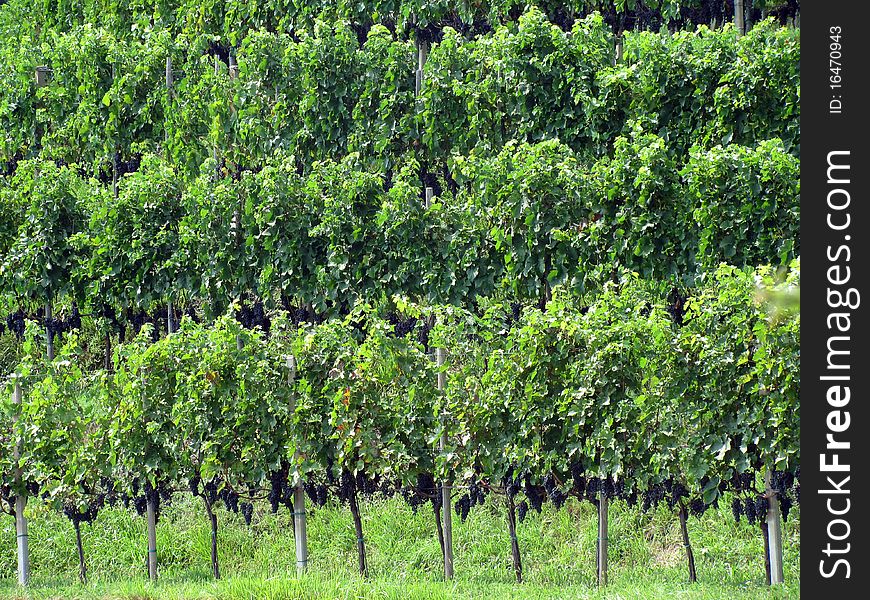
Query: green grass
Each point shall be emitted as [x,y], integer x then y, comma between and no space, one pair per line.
[558,552]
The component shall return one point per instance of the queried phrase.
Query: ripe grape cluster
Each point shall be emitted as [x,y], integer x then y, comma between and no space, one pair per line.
[247,510]
[522,510]
[141,494]
[87,515]
[317,492]
[697,507]
[138,318]
[280,491]
[405,326]
[346,486]
[743,482]
[401,326]
[424,491]
[220,51]
[554,493]
[15,322]
[752,505]
[253,316]
[123,166]
[301,314]
[475,496]
[677,305]
[516,312]
[510,483]
[535,494]
[787,487]
[107,312]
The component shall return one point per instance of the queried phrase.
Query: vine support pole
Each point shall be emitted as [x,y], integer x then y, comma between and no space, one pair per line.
[20,504]
[151,505]
[774,532]
[214,149]
[445,485]
[602,539]
[169,83]
[49,336]
[738,16]
[300,529]
[422,55]
[151,517]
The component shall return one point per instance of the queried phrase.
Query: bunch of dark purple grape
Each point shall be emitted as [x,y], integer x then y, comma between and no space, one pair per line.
[253,316]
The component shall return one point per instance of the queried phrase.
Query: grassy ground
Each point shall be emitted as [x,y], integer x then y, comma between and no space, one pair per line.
[558,551]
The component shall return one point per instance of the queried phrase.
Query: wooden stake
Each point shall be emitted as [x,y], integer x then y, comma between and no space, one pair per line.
[738,16]
[41,76]
[49,335]
[115,156]
[22,537]
[151,508]
[422,55]
[445,486]
[774,532]
[151,517]
[108,361]
[169,82]
[169,78]
[602,539]
[300,527]
[214,150]
[233,67]
[20,504]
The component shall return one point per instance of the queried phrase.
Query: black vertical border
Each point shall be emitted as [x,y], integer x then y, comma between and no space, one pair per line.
[823,132]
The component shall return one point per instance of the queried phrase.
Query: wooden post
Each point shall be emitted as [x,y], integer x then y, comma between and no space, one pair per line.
[48,334]
[150,505]
[169,79]
[445,485]
[738,16]
[617,56]
[602,539]
[429,195]
[300,530]
[20,504]
[214,149]
[151,517]
[233,66]
[115,155]
[41,76]
[169,83]
[422,55]
[774,531]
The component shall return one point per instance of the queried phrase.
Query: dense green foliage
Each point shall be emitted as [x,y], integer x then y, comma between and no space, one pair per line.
[252,178]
